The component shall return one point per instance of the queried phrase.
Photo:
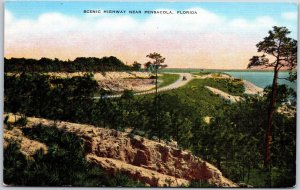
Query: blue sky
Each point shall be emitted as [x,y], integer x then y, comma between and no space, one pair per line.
[247,10]
[229,10]
[220,33]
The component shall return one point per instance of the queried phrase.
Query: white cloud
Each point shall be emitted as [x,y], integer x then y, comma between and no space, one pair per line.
[191,35]
[201,21]
[121,23]
[8,16]
[289,15]
[258,24]
[56,20]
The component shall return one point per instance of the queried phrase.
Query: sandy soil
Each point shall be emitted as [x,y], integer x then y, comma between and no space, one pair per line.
[118,81]
[145,160]
[28,146]
[251,88]
[224,95]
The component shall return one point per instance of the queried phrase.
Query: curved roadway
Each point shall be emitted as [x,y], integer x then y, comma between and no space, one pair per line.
[178,83]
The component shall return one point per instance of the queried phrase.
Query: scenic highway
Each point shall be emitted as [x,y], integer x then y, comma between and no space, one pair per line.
[179,83]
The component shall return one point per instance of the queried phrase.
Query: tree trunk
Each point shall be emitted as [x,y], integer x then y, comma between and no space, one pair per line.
[156,105]
[271,111]
[248,173]
[270,117]
[219,162]
[243,168]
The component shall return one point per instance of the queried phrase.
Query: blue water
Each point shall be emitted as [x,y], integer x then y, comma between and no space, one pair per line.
[262,79]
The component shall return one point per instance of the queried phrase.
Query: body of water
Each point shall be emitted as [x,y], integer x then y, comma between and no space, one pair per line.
[259,78]
[262,79]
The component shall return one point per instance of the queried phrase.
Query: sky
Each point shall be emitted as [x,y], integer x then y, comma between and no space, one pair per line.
[220,36]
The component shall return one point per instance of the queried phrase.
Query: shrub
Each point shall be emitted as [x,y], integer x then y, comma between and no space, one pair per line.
[63,165]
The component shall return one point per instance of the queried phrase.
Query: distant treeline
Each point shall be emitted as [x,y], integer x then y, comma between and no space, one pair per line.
[84,64]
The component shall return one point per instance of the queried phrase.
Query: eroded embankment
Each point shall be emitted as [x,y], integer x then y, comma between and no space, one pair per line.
[113,81]
[151,162]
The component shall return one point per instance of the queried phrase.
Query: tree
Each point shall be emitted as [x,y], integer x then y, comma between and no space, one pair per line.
[148,66]
[284,51]
[137,66]
[156,64]
[85,64]
[128,95]
[292,76]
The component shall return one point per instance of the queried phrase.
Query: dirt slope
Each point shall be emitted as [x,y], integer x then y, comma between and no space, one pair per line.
[148,161]
[28,146]
[178,83]
[117,81]
[251,88]
[224,95]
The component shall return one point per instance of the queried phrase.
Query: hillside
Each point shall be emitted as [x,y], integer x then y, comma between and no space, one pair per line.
[150,162]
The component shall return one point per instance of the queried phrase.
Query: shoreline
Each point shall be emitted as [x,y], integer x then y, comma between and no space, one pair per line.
[218,70]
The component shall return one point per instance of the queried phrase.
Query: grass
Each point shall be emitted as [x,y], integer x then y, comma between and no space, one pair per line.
[193,70]
[201,184]
[194,93]
[230,86]
[195,90]
[168,79]
[202,73]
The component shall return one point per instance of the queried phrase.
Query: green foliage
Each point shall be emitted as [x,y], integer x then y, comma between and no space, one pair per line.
[87,64]
[21,92]
[14,163]
[167,79]
[257,61]
[283,50]
[63,165]
[156,63]
[284,94]
[201,184]
[42,96]
[292,76]
[202,73]
[233,143]
[232,140]
[278,45]
[6,119]
[231,86]
[9,126]
[22,121]
[128,94]
[137,66]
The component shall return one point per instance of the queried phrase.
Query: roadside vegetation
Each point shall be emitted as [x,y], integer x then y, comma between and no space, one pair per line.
[167,79]
[230,137]
[231,86]
[250,142]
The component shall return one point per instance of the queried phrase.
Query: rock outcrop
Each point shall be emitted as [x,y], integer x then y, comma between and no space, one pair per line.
[151,162]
